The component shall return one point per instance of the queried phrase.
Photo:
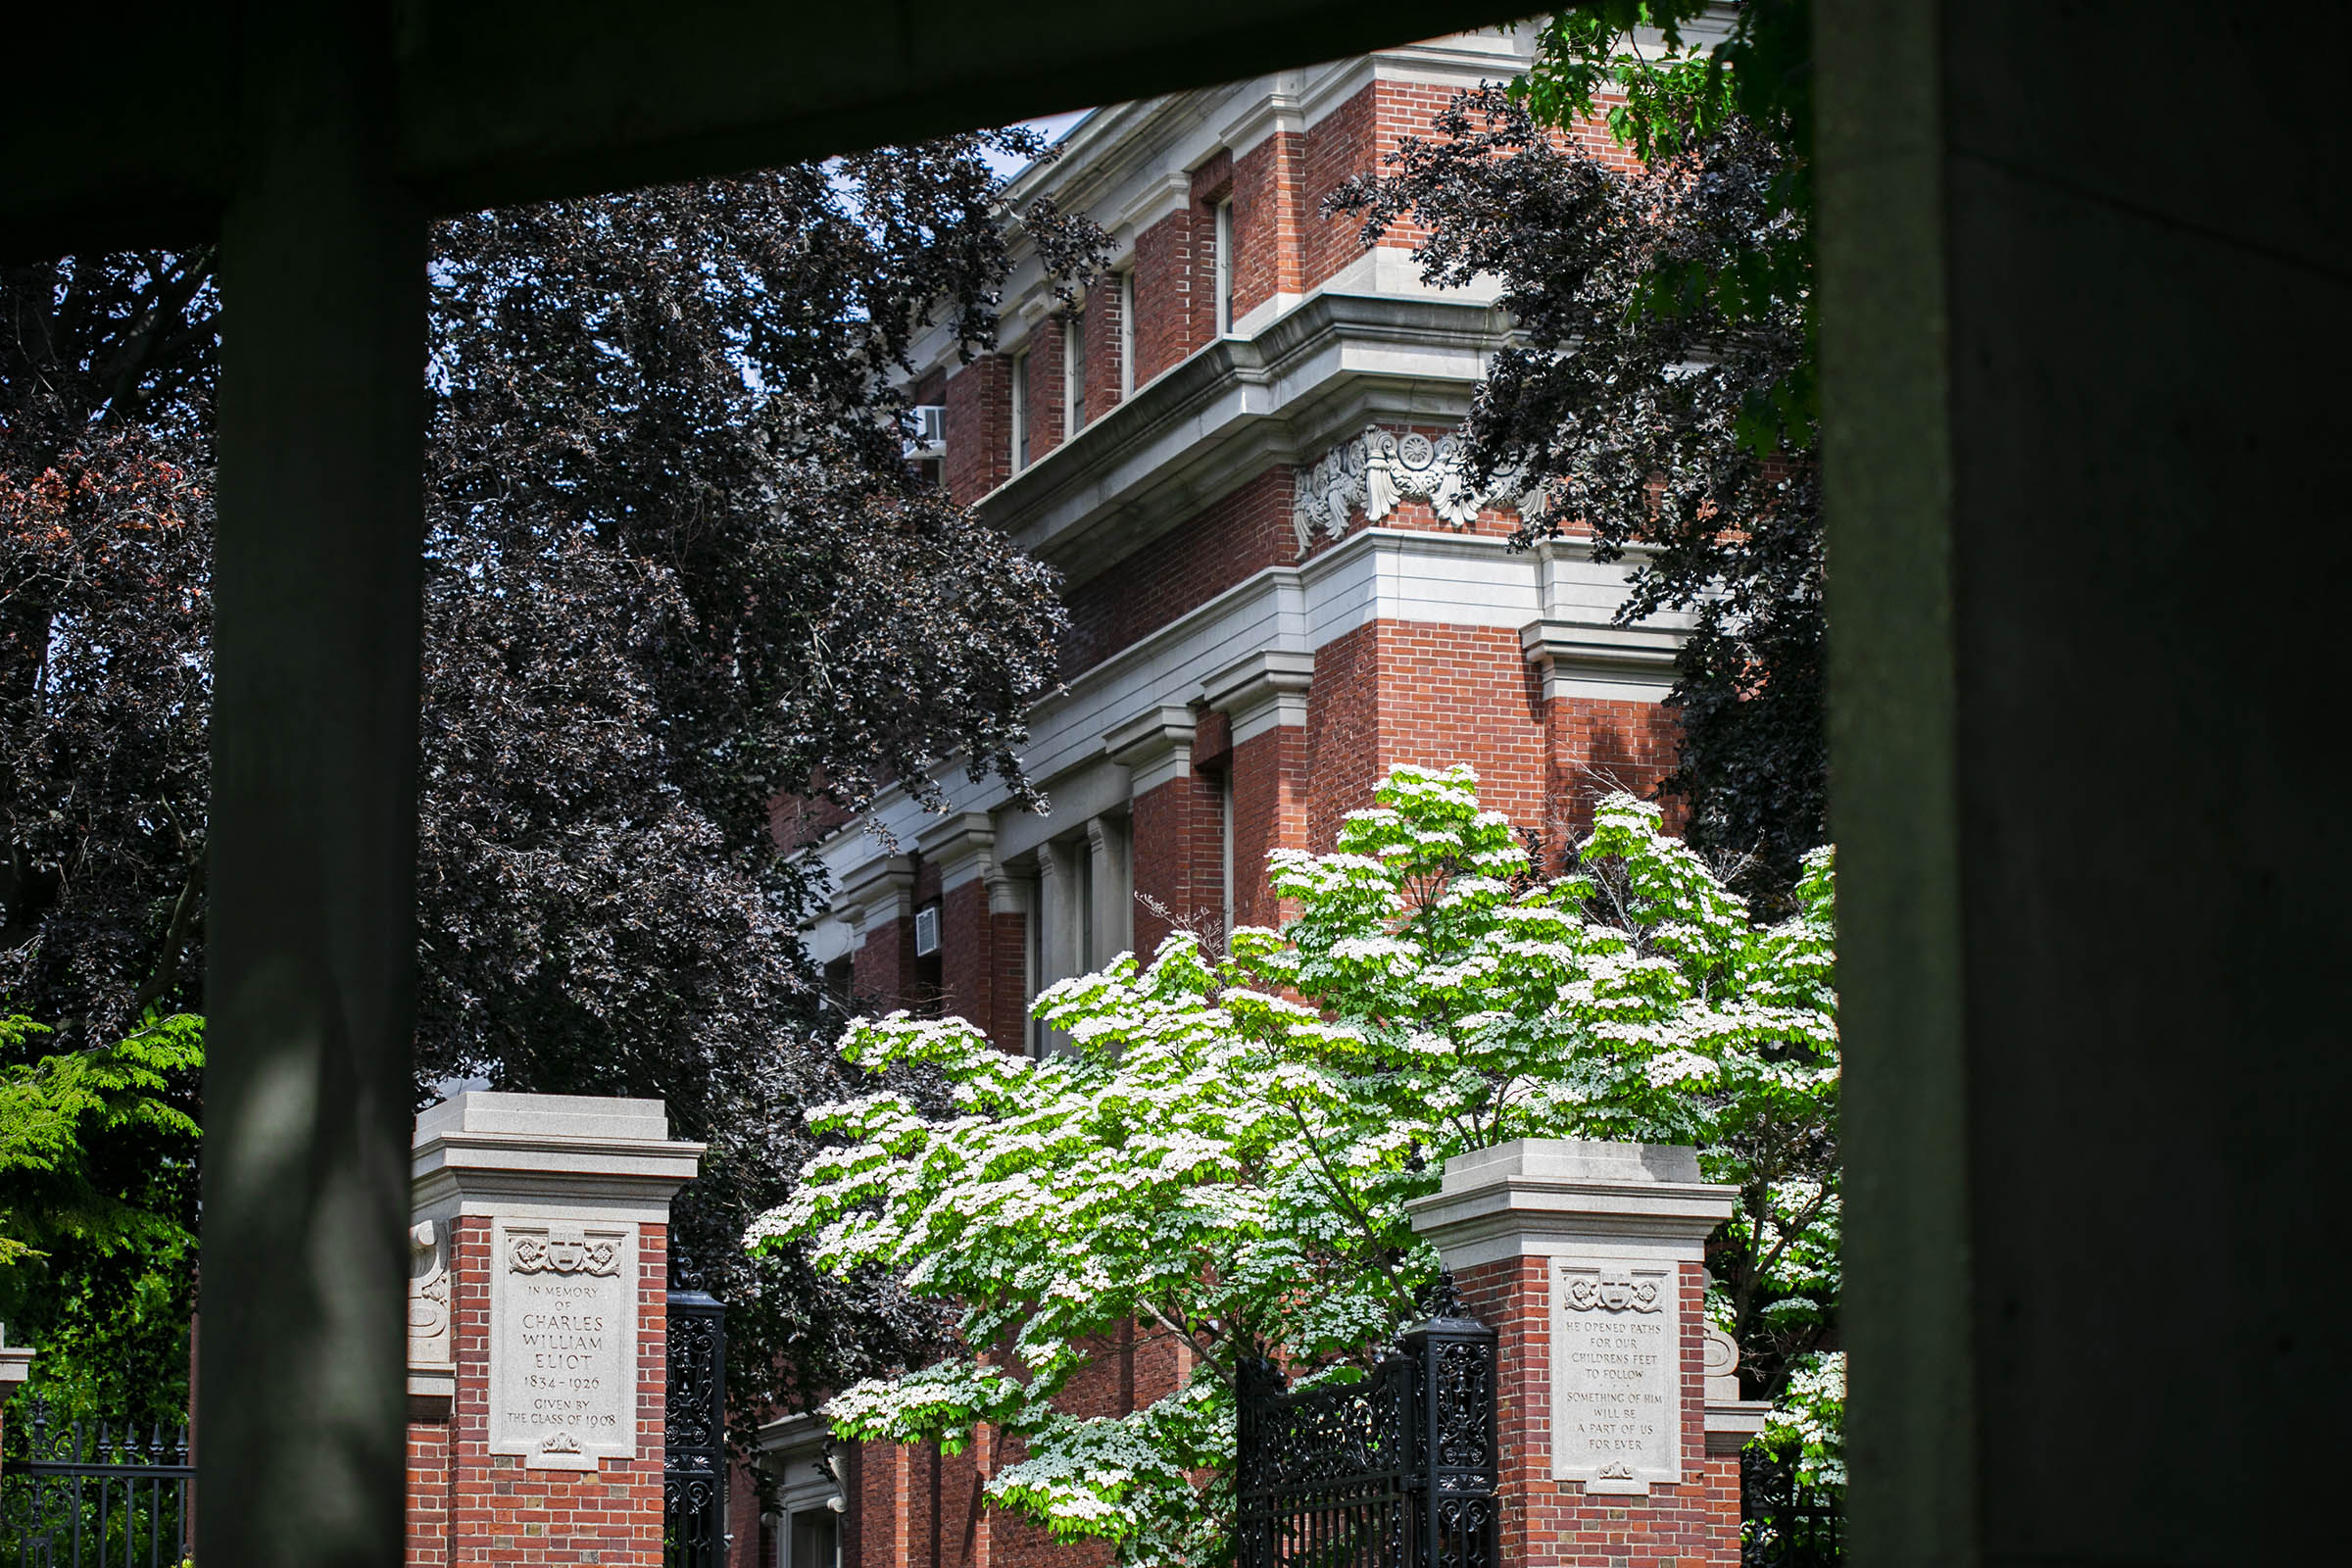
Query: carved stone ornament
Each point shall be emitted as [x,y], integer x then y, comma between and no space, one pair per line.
[558,1254]
[428,1295]
[1722,1367]
[1611,1293]
[1373,471]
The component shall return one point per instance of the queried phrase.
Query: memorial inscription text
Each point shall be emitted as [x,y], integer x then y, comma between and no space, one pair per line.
[1616,1384]
[563,1345]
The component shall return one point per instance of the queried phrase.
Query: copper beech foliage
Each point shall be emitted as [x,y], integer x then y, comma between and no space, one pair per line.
[675,569]
[1659,386]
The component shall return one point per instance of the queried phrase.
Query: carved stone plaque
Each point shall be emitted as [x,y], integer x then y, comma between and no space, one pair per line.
[1616,1374]
[563,1343]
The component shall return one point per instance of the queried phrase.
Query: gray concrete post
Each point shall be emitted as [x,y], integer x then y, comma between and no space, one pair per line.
[312,947]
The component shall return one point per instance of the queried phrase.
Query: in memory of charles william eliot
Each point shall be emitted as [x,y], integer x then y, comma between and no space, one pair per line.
[563,1343]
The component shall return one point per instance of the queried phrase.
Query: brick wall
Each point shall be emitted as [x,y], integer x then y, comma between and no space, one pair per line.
[967,954]
[1179,845]
[1551,1524]
[1267,198]
[984,966]
[1269,812]
[1045,388]
[1238,535]
[1593,748]
[496,1511]
[978,430]
[1165,258]
[431,1495]
[1102,348]
[915,1508]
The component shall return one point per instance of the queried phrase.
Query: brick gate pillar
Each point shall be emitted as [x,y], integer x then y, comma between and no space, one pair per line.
[537,1317]
[1587,1260]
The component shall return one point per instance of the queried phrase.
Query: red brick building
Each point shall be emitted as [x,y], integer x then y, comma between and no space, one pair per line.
[1278,584]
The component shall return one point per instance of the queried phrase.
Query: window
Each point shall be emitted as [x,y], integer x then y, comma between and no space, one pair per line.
[1020,410]
[1073,375]
[1225,266]
[1127,333]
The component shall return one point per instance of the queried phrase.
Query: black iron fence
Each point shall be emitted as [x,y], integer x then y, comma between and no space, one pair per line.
[1785,1523]
[91,1492]
[1397,1471]
[694,1459]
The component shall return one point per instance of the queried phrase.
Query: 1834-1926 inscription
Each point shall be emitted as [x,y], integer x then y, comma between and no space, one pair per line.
[1616,1384]
[564,1343]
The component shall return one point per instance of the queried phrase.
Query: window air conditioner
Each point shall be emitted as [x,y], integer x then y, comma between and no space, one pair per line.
[930,439]
[926,931]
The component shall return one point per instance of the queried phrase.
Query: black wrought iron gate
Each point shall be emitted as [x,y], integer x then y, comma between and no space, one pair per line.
[693,1462]
[1397,1471]
[1785,1523]
[92,1492]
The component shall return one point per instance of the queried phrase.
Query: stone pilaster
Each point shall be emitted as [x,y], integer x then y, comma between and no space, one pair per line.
[1587,1260]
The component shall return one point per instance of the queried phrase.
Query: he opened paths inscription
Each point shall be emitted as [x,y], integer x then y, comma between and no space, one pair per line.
[1616,1384]
[564,1343]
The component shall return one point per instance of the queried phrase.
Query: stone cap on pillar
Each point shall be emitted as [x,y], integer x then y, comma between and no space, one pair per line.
[481,1153]
[1538,1197]
[16,1365]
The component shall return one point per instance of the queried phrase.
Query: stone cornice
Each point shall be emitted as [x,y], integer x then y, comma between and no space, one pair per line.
[1732,1424]
[1538,1197]
[1156,746]
[483,1152]
[1270,585]
[877,892]
[1266,690]
[1601,660]
[966,846]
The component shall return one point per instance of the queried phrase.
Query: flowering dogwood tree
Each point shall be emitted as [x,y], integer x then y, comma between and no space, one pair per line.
[1225,1153]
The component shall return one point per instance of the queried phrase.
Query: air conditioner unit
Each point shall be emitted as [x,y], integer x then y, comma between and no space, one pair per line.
[926,931]
[930,438]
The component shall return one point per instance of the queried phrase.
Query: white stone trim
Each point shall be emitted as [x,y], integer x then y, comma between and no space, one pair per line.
[963,846]
[793,1449]
[1261,691]
[1265,116]
[1112,880]
[1156,746]
[486,1152]
[1732,1424]
[1601,661]
[1545,1198]
[878,894]
[1162,194]
[16,1366]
